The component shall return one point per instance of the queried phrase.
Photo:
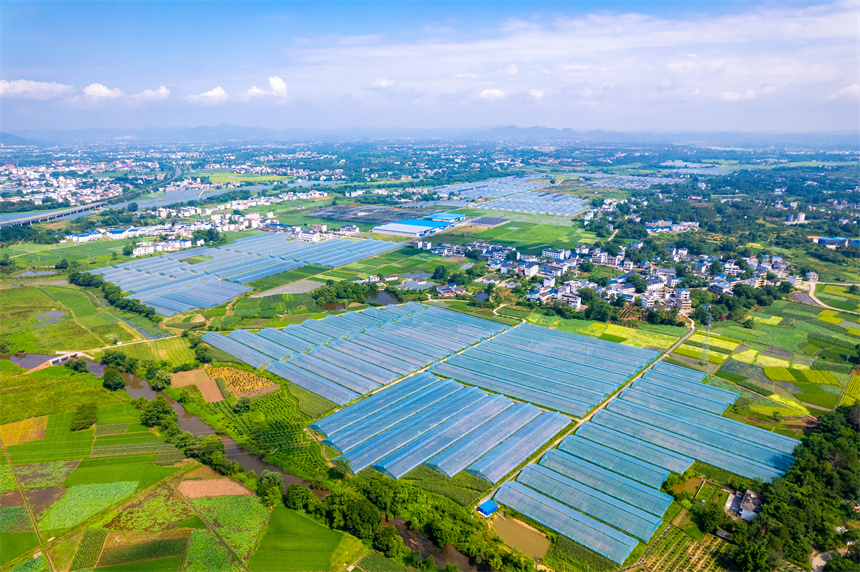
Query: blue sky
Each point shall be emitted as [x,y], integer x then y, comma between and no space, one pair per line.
[627,66]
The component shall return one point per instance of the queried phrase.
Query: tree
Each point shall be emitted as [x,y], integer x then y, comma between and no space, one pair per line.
[128,250]
[586,266]
[85,416]
[387,541]
[132,207]
[76,364]
[853,289]
[62,264]
[158,410]
[270,481]
[161,380]
[112,380]
[440,273]
[243,405]
[638,283]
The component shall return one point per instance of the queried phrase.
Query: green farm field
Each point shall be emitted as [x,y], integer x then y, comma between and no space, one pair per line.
[295,543]
[175,350]
[217,177]
[538,236]
[52,390]
[85,324]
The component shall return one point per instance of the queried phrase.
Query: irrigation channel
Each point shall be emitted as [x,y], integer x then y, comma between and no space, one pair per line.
[136,387]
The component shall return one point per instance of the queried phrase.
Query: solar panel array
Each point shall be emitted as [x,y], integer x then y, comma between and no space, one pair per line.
[345,356]
[420,419]
[559,204]
[610,471]
[559,370]
[171,286]
[493,188]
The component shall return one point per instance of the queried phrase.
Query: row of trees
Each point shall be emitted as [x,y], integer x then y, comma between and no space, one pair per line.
[113,294]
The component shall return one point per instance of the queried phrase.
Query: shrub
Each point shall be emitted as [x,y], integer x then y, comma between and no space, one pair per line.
[112,380]
[85,416]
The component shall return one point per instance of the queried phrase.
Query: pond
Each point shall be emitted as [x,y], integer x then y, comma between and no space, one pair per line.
[382,298]
[482,297]
[333,306]
[690,486]
[521,536]
[30,273]
[29,361]
[49,317]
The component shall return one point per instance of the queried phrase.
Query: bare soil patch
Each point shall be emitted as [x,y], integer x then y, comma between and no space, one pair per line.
[186,378]
[197,319]
[11,498]
[210,391]
[212,488]
[41,499]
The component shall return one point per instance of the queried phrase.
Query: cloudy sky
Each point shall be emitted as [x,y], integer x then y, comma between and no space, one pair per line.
[701,65]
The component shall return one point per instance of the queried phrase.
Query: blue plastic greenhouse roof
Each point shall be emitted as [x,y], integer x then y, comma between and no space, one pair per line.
[585,530]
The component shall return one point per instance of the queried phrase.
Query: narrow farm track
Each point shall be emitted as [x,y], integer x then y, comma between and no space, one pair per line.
[51,543]
[218,536]
[822,304]
[26,502]
[600,406]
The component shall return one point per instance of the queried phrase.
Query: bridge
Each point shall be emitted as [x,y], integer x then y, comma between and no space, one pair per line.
[50,215]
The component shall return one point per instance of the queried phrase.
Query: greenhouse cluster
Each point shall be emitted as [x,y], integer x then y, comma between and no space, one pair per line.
[438,422]
[559,370]
[181,281]
[600,487]
[558,204]
[342,357]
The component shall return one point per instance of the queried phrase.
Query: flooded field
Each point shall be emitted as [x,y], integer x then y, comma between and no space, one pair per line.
[50,318]
[521,536]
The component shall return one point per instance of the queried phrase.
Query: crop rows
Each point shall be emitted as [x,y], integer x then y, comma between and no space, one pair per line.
[147,551]
[239,381]
[852,392]
[111,428]
[127,448]
[376,562]
[166,458]
[90,548]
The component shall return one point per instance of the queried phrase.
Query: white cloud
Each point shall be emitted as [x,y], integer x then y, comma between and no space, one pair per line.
[256,92]
[99,91]
[848,92]
[467,75]
[490,94]
[536,93]
[159,94]
[211,97]
[383,83]
[512,69]
[27,89]
[278,86]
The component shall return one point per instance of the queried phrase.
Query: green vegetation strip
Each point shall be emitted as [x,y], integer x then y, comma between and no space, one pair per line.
[90,548]
[146,551]
[376,562]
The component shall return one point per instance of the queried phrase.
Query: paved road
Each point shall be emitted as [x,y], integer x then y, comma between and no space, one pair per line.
[812,286]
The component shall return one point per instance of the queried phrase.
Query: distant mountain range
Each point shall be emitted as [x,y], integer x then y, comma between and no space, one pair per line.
[545,135]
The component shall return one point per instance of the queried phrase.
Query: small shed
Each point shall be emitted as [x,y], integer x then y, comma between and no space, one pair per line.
[487,508]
